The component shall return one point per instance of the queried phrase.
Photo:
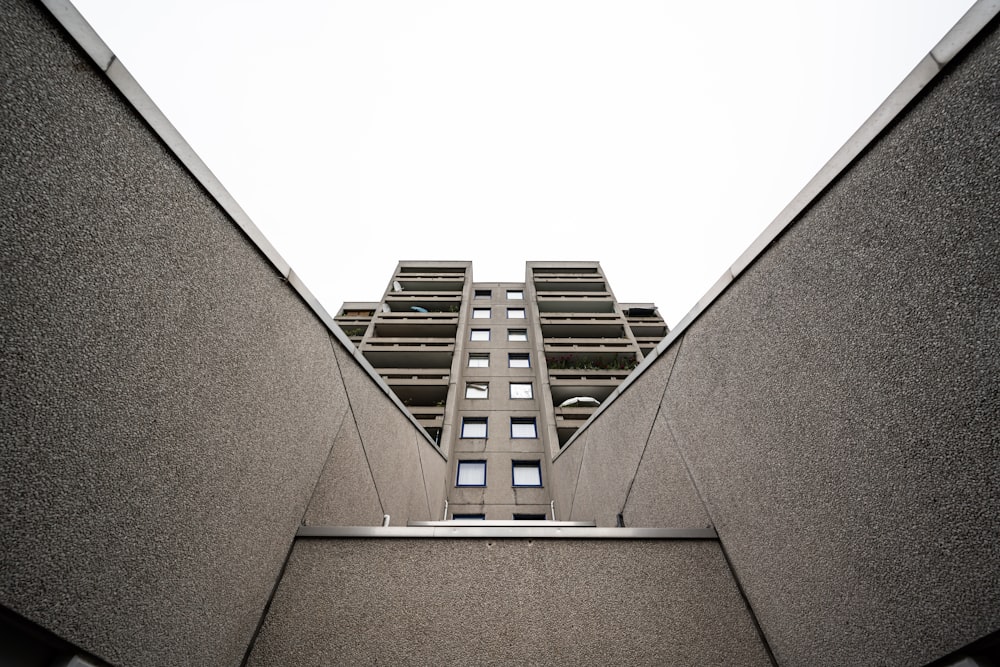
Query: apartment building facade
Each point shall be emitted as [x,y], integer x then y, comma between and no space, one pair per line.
[501,374]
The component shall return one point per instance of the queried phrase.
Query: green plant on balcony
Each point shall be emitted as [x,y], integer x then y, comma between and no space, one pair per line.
[570,361]
[354,331]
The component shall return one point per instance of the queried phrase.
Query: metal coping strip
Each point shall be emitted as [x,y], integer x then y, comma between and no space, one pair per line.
[534,532]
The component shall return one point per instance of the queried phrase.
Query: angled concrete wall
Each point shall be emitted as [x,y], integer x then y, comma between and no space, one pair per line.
[507,601]
[836,408]
[168,401]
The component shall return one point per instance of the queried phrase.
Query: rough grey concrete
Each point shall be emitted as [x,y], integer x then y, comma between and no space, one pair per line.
[539,602]
[167,400]
[390,445]
[615,443]
[565,474]
[345,494]
[662,494]
[839,404]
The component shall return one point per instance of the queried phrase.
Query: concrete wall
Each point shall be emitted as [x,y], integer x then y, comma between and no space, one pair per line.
[168,401]
[507,601]
[836,407]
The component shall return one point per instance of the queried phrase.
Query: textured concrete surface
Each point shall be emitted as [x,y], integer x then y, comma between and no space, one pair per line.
[167,401]
[539,602]
[390,443]
[565,474]
[615,444]
[838,405]
[345,494]
[662,493]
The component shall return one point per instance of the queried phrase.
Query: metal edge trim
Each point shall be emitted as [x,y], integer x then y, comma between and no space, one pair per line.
[70,18]
[569,532]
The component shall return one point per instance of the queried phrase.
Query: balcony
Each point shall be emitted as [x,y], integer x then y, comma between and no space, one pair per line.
[582,325]
[417,303]
[570,284]
[418,387]
[590,353]
[595,302]
[415,324]
[404,352]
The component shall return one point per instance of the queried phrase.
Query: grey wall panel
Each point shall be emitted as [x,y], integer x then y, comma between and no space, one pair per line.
[838,404]
[434,468]
[167,401]
[345,494]
[565,474]
[662,494]
[615,443]
[390,445]
[556,602]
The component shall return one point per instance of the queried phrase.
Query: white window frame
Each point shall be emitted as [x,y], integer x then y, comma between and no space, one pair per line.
[479,356]
[518,292]
[481,313]
[516,313]
[517,332]
[472,335]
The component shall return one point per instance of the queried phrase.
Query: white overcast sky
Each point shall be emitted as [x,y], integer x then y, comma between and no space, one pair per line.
[657,137]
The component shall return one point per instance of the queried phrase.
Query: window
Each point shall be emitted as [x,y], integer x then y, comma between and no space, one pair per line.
[480,334]
[480,313]
[477,360]
[471,473]
[515,313]
[477,390]
[515,294]
[475,427]
[520,390]
[529,517]
[522,427]
[517,334]
[526,473]
[469,517]
[518,360]
[483,294]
